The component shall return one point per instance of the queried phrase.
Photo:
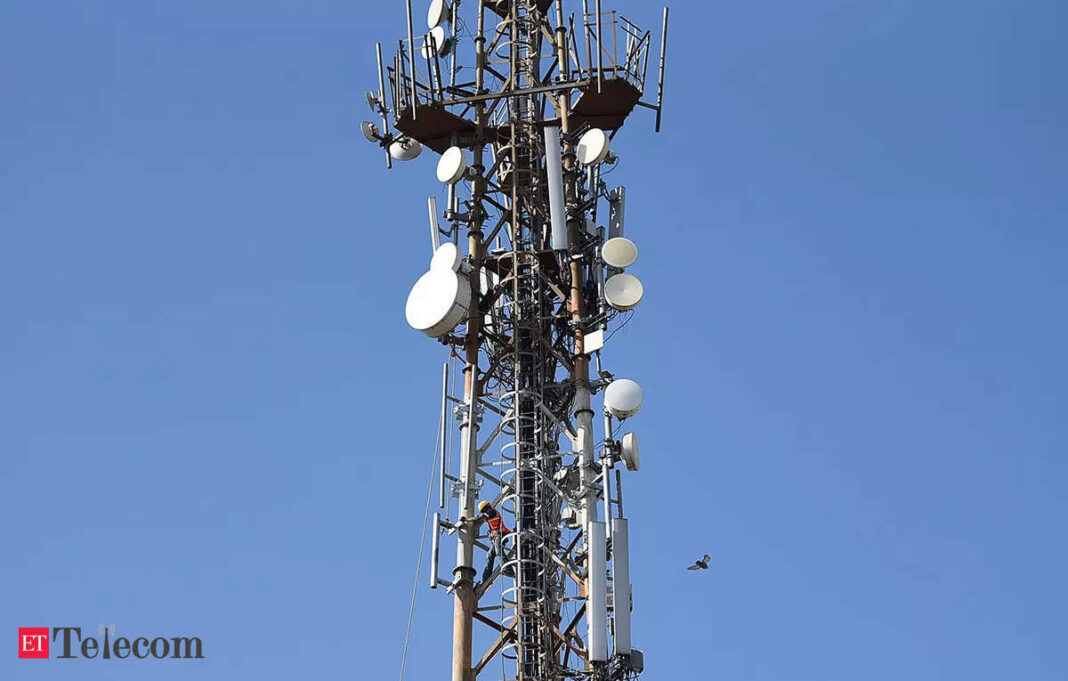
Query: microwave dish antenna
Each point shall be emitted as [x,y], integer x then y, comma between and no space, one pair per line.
[370,131]
[623,398]
[438,302]
[437,43]
[628,451]
[623,291]
[619,252]
[451,166]
[446,258]
[592,147]
[437,13]
[405,149]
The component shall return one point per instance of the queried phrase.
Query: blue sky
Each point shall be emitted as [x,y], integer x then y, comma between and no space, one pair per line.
[214,420]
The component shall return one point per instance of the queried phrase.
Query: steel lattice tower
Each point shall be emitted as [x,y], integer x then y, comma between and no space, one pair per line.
[523,132]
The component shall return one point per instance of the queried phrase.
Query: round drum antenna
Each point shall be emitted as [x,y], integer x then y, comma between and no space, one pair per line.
[623,398]
[592,147]
[452,165]
[623,291]
[619,252]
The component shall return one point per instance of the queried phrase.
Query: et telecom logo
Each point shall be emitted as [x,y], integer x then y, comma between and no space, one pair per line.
[33,642]
[36,643]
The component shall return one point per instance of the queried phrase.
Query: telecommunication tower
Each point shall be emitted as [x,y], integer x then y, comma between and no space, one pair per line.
[522,98]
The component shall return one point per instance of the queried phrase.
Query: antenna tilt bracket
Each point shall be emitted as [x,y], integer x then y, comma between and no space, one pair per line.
[611,455]
[461,412]
[457,488]
[612,449]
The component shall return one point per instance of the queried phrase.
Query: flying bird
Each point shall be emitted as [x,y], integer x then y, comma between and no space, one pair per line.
[701,564]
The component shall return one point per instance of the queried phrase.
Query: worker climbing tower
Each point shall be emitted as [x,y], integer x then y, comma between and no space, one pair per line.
[522,99]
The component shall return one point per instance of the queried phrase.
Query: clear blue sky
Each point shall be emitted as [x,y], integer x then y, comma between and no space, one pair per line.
[214,420]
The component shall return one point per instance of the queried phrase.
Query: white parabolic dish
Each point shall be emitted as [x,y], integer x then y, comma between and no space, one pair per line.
[405,149]
[592,147]
[451,165]
[619,252]
[446,257]
[436,14]
[369,131]
[623,291]
[438,302]
[438,37]
[623,397]
[628,448]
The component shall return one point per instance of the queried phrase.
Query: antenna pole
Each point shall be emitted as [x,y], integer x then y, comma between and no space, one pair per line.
[465,601]
[660,78]
[382,101]
[411,56]
[600,51]
[456,47]
[444,436]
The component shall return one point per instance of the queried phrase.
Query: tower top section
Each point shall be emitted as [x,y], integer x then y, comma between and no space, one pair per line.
[502,54]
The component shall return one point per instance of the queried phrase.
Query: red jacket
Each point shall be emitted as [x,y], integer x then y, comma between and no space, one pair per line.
[496,524]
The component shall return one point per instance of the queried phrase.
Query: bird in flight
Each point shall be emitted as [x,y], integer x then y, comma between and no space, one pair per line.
[701,564]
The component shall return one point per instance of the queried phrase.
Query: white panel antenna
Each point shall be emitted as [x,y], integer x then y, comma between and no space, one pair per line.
[621,585]
[554,170]
[435,229]
[597,604]
[593,341]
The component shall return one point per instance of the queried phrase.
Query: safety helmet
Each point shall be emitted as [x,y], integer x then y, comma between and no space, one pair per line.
[483,505]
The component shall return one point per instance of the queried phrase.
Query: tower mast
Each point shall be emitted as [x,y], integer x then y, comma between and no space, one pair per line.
[524,131]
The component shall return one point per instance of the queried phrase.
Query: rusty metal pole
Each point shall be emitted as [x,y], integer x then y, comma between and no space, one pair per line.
[581,407]
[464,574]
[580,375]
